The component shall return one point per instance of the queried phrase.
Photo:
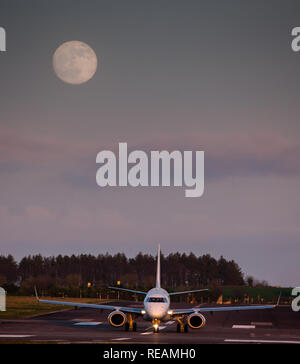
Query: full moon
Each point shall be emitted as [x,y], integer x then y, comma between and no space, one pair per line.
[75,62]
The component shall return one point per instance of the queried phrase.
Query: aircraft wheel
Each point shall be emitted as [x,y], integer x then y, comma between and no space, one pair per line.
[186,328]
[134,326]
[127,326]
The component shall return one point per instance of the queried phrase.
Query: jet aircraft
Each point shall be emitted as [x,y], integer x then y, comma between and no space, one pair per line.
[156,308]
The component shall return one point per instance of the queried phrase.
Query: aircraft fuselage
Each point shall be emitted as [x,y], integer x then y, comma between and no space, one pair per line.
[157,304]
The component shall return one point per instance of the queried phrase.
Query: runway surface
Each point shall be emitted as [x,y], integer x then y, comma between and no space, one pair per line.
[280,325]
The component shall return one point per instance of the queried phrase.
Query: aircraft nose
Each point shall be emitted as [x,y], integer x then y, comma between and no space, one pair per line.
[157,311]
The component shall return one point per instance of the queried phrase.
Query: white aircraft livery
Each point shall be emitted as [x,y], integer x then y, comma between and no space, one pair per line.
[157,308]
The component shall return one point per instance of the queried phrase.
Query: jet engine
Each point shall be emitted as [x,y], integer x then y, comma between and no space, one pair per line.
[196,320]
[117,318]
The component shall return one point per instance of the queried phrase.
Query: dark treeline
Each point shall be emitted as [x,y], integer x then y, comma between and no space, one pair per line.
[70,274]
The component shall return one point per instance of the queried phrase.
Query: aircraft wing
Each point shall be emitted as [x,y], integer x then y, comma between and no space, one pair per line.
[184,292]
[221,309]
[128,290]
[90,305]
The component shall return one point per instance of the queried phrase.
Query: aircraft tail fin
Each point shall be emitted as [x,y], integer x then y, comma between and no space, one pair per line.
[158,268]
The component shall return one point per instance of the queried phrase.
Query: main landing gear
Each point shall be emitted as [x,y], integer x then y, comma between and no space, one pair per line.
[130,324]
[182,326]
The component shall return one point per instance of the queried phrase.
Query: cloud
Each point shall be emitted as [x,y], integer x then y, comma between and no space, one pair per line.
[38,213]
[43,225]
[240,154]
[34,149]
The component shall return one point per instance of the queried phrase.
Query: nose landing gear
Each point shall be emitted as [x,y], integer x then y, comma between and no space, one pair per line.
[155,325]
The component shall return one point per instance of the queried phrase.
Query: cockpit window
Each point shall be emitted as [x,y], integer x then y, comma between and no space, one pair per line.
[156,299]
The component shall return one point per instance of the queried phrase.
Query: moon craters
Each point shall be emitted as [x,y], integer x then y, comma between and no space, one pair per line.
[75,62]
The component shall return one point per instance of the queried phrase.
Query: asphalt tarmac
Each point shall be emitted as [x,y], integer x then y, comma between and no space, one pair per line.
[280,325]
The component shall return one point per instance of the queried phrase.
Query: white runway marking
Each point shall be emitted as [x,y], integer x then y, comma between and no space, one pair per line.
[170,322]
[262,341]
[243,326]
[121,338]
[17,335]
[160,328]
[88,323]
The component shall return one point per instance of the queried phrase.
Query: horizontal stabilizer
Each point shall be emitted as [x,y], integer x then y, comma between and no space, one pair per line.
[186,292]
[128,290]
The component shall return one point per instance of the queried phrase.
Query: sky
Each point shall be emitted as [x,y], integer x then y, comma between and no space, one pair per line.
[190,75]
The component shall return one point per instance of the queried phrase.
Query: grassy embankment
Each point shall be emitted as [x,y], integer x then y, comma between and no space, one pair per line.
[258,294]
[20,307]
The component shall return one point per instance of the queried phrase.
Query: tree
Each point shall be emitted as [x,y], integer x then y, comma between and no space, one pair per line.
[8,269]
[250,281]
[70,274]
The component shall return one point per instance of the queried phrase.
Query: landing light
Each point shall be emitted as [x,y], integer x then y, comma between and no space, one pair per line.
[155,326]
[143,312]
[170,312]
